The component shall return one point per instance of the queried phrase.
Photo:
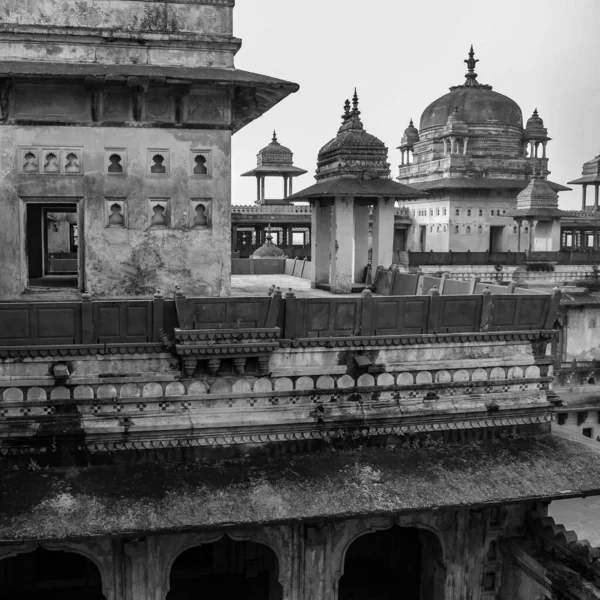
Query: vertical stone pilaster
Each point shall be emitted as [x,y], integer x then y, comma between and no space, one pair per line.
[136,570]
[320,241]
[383,233]
[361,241]
[342,245]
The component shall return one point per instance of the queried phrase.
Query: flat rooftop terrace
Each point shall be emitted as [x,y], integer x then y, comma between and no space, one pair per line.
[259,285]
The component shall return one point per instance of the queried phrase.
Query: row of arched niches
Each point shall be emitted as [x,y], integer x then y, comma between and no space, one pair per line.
[376,566]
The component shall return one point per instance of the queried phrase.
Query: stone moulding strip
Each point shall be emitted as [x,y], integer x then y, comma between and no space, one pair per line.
[338,392]
[419,339]
[80,350]
[312,434]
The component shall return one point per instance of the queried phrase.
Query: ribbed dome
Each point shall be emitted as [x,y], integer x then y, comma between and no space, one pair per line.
[411,135]
[477,105]
[274,153]
[268,249]
[353,151]
[535,128]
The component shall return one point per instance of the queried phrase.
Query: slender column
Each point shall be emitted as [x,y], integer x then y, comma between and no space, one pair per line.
[583,195]
[258,188]
[342,245]
[465,142]
[262,187]
[285,192]
[402,157]
[452,145]
[361,241]
[596,196]
[383,233]
[530,236]
[290,184]
[544,149]
[519,235]
[320,246]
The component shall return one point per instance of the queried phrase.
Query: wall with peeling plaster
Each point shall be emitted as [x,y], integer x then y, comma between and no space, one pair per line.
[583,333]
[137,259]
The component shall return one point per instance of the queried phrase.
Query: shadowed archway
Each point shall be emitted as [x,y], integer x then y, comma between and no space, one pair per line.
[226,569]
[49,575]
[400,563]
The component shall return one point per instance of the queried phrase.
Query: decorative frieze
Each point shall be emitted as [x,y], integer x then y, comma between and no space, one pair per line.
[37,160]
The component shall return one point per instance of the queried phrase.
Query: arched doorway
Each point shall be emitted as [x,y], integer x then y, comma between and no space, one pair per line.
[226,569]
[49,575]
[395,564]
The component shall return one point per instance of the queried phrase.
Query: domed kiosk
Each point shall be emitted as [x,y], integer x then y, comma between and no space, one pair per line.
[473,156]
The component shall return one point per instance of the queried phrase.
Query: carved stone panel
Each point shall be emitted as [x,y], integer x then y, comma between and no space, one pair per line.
[65,103]
[158,163]
[117,106]
[115,212]
[160,106]
[115,161]
[159,213]
[207,107]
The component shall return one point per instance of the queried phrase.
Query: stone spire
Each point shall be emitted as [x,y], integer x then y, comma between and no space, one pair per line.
[470,75]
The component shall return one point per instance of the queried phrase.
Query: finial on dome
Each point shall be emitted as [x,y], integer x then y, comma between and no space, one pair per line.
[274,140]
[535,112]
[355,111]
[411,124]
[471,62]
[346,114]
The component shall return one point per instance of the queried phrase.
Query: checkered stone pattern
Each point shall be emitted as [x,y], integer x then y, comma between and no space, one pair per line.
[505,388]
[141,406]
[251,401]
[468,390]
[273,400]
[117,408]
[186,405]
[335,398]
[230,403]
[96,409]
[523,387]
[49,410]
[315,398]
[163,405]
[25,411]
[3,412]
[488,389]
[413,394]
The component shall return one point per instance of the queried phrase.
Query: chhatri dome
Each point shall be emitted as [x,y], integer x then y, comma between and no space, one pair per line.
[477,102]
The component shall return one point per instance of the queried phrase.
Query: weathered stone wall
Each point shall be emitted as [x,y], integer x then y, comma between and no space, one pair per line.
[311,556]
[135,259]
[582,340]
[173,33]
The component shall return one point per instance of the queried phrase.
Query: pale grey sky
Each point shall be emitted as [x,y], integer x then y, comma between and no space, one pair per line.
[403,55]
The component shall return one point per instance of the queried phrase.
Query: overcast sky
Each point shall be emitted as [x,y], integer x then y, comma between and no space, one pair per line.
[403,55]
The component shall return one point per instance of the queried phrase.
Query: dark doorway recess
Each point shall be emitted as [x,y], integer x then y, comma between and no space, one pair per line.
[49,575]
[396,564]
[53,245]
[226,569]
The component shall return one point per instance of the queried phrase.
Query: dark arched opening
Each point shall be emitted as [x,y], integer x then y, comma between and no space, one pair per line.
[49,575]
[398,563]
[226,569]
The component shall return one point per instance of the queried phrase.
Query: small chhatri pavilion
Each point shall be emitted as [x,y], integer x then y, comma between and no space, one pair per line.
[353,180]
[274,160]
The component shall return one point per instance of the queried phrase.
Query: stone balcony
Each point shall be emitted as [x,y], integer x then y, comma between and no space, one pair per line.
[217,376]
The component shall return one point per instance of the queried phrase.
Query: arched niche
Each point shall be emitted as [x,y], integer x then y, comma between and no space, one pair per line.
[386,560]
[51,572]
[256,561]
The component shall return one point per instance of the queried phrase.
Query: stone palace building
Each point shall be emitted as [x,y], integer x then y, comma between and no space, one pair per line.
[171,431]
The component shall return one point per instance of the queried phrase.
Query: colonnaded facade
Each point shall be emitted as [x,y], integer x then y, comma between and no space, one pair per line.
[164,434]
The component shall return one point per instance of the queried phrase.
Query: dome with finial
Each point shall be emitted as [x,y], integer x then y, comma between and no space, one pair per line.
[478,103]
[274,154]
[269,249]
[410,137]
[353,151]
[535,127]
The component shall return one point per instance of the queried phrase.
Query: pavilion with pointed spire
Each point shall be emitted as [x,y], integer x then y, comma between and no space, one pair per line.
[274,160]
[353,180]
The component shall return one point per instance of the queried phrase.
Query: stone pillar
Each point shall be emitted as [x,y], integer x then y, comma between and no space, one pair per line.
[262,187]
[319,580]
[596,191]
[320,241]
[383,233]
[361,241]
[530,236]
[465,143]
[258,188]
[544,149]
[136,570]
[342,245]
[519,235]
[452,146]
[285,192]
[290,185]
[583,196]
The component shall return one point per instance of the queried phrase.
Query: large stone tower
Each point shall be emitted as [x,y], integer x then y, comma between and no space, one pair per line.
[115,137]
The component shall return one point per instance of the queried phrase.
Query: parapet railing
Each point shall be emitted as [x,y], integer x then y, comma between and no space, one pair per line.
[498,258]
[429,306]
[287,209]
